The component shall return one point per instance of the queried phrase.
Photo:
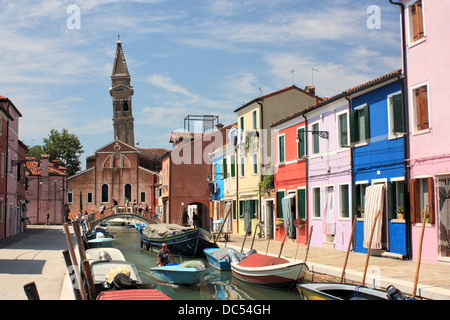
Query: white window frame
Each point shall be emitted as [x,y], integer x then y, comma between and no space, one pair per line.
[313,136]
[340,216]
[390,105]
[304,145]
[338,122]
[313,204]
[410,28]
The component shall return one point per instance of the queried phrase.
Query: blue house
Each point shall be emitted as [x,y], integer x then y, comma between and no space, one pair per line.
[378,159]
[216,186]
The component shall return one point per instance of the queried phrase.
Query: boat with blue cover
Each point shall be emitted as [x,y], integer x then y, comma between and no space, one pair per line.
[221,258]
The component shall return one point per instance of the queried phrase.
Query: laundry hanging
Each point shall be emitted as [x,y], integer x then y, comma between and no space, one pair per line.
[287,213]
[374,203]
[329,222]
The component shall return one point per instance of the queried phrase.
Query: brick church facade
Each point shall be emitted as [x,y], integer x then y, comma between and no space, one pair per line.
[118,170]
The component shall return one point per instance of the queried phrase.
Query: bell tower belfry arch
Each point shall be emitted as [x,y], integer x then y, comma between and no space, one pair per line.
[121,93]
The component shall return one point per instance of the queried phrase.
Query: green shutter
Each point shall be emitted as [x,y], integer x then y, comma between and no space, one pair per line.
[242,123]
[280,196]
[366,123]
[397,110]
[225,169]
[301,199]
[301,143]
[233,166]
[281,148]
[234,210]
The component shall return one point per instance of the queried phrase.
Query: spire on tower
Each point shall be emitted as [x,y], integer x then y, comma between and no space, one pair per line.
[120,65]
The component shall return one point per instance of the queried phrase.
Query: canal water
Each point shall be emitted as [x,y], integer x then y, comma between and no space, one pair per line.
[215,285]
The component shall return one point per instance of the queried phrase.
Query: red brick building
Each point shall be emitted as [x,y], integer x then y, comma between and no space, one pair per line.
[185,174]
[118,170]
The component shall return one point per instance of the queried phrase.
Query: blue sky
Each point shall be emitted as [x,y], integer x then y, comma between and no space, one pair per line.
[185,57]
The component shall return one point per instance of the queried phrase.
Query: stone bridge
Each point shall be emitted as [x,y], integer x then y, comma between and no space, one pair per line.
[96,219]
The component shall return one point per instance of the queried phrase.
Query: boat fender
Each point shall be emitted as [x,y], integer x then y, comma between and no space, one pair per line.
[104,256]
[394,294]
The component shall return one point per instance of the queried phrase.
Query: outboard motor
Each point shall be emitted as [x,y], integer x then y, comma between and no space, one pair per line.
[123,282]
[394,294]
[104,256]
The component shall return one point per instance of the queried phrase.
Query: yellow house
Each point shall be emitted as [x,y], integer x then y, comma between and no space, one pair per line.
[252,156]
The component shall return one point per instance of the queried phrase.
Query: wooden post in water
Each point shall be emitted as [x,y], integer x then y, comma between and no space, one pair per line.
[309,242]
[369,247]
[348,249]
[416,278]
[221,226]
[78,289]
[77,231]
[89,279]
[31,291]
[73,258]
[245,237]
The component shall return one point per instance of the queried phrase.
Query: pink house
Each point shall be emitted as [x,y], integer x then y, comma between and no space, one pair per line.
[427,72]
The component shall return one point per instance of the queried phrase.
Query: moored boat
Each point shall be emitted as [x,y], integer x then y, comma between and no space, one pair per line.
[343,291]
[269,270]
[104,254]
[101,243]
[180,240]
[187,273]
[133,294]
[221,258]
[104,272]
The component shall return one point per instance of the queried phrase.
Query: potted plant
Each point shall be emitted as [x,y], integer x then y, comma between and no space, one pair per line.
[361,211]
[400,212]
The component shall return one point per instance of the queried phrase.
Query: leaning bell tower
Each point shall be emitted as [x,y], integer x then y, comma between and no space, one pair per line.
[121,93]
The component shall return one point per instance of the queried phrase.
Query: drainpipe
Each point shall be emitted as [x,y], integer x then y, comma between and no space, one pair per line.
[306,182]
[6,172]
[406,146]
[261,125]
[351,160]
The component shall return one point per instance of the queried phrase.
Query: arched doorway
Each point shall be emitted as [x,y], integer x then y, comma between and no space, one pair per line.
[202,211]
[127,191]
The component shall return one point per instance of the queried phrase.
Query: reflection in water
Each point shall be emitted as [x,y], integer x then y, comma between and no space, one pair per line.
[215,285]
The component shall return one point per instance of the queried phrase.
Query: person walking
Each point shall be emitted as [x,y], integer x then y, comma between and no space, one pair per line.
[47,217]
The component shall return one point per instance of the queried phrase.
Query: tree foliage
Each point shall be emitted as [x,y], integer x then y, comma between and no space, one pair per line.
[65,147]
[35,151]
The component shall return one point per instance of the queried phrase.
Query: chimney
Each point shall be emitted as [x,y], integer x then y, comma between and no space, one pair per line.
[45,159]
[55,164]
[311,90]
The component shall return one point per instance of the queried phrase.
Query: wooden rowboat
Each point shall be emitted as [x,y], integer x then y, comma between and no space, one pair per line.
[178,274]
[132,294]
[343,291]
[180,240]
[268,270]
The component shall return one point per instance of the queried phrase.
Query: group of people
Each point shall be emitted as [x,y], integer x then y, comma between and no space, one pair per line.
[185,219]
